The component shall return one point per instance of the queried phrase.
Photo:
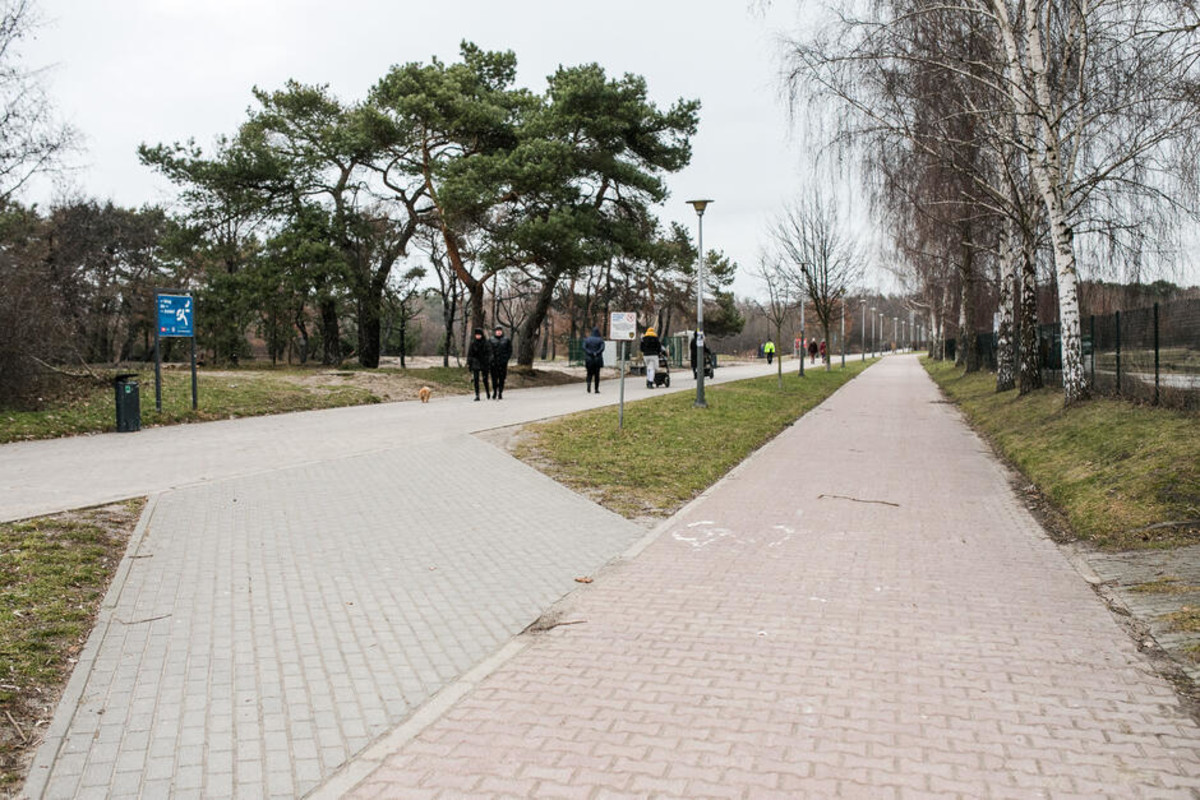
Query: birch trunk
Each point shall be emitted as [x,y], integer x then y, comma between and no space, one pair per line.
[1006,378]
[1029,368]
[1031,94]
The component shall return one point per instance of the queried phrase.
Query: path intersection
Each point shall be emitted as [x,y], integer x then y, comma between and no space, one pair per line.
[333,605]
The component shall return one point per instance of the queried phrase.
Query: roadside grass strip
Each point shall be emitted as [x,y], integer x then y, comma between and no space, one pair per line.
[87,406]
[1125,476]
[669,451]
[54,572]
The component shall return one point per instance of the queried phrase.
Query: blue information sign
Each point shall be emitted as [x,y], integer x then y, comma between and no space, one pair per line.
[175,315]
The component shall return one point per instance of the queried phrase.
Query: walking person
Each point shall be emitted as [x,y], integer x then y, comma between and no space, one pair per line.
[812,351]
[479,361]
[651,350]
[593,358]
[769,351]
[501,352]
[824,353]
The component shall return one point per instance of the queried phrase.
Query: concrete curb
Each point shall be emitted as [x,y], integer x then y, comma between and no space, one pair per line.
[366,762]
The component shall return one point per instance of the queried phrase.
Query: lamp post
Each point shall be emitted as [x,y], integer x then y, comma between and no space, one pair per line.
[863,336]
[874,340]
[895,332]
[803,338]
[700,205]
[843,332]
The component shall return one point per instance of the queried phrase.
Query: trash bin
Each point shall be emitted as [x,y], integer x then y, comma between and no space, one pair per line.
[129,404]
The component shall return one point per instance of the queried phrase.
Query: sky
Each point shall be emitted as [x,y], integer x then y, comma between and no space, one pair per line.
[124,72]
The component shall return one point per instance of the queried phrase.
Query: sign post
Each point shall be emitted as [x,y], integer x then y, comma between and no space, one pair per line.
[175,317]
[622,329]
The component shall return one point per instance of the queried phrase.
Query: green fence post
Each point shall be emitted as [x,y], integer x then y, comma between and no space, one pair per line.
[1156,354]
[1118,352]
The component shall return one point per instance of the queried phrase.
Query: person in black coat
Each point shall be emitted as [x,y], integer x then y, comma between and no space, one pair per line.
[501,352]
[696,358]
[479,361]
[593,358]
[651,350]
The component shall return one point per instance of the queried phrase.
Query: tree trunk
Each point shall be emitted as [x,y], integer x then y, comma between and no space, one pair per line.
[1029,368]
[449,312]
[530,326]
[303,331]
[1040,132]
[370,307]
[331,340]
[960,349]
[403,336]
[1074,380]
[969,340]
[1006,378]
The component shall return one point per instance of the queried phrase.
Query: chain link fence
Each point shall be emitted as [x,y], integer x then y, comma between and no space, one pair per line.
[1145,354]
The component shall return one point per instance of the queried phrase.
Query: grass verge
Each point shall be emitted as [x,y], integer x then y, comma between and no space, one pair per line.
[1125,476]
[53,575]
[87,406]
[668,451]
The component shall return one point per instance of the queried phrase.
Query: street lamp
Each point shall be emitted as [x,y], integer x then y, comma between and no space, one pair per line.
[863,335]
[803,337]
[700,205]
[874,340]
[843,299]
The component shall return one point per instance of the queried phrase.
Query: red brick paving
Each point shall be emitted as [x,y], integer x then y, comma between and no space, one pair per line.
[861,610]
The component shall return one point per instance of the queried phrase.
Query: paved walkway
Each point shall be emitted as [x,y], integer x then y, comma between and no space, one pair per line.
[42,477]
[300,584]
[863,609]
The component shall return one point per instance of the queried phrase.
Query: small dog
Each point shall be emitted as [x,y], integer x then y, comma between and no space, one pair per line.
[424,393]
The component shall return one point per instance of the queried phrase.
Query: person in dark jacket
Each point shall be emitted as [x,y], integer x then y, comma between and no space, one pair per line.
[479,361]
[696,358]
[501,352]
[651,350]
[593,358]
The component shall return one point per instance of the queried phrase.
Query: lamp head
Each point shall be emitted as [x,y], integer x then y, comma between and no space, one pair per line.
[699,205]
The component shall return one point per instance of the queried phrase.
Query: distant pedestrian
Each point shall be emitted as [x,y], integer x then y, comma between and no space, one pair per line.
[479,361]
[699,356]
[593,358]
[824,353]
[769,351]
[501,353]
[812,351]
[651,350]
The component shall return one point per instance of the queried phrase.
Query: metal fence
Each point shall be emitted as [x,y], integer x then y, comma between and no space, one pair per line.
[1145,354]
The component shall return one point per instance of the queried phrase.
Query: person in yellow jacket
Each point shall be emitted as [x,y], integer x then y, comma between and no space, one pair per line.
[769,351]
[651,350]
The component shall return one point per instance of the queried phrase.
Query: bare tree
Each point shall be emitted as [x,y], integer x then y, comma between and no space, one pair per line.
[32,141]
[822,261]
[1096,101]
[782,300]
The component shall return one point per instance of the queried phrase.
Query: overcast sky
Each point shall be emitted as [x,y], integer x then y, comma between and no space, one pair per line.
[130,71]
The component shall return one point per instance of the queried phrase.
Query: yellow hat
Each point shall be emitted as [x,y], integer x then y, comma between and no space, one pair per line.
[650,332]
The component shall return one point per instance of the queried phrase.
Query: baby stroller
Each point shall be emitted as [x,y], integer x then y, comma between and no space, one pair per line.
[710,363]
[662,375]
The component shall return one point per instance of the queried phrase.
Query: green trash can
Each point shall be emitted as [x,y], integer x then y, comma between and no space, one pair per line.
[129,403]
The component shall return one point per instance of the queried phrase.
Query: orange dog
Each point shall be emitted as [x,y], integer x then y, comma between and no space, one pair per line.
[424,393]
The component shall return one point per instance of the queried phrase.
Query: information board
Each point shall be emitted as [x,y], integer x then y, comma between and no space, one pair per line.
[175,315]
[622,326]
